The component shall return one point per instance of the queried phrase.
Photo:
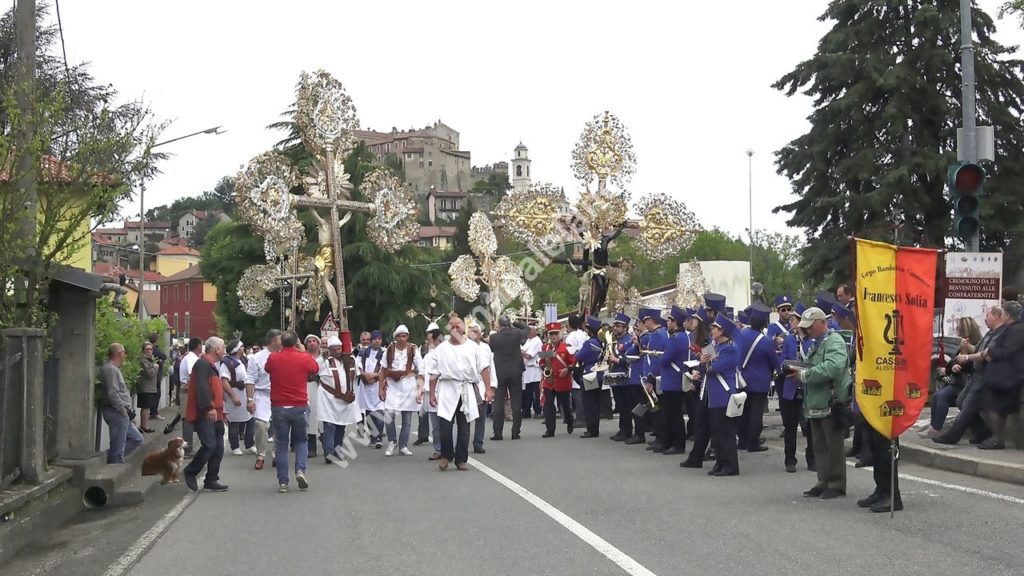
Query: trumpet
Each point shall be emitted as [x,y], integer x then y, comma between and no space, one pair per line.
[548,373]
[651,398]
[652,352]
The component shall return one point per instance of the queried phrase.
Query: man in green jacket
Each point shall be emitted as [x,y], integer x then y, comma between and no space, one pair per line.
[826,383]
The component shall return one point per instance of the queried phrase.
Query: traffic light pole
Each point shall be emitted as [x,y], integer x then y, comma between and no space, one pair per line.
[968,151]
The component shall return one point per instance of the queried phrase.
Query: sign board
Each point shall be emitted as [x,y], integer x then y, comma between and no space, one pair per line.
[973,284]
[329,328]
[730,279]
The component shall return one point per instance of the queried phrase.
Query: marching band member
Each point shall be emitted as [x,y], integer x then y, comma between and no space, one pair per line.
[698,336]
[714,304]
[673,366]
[590,353]
[574,342]
[700,417]
[457,366]
[398,389]
[337,399]
[779,329]
[791,397]
[635,383]
[759,362]
[825,301]
[618,368]
[721,385]
[369,363]
[654,340]
[557,366]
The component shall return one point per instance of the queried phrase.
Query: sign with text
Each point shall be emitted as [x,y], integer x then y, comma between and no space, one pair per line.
[973,284]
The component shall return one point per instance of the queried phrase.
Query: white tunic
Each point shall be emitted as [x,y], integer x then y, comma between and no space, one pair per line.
[335,410]
[532,372]
[402,393]
[368,396]
[458,369]
[573,342]
[314,401]
[235,413]
[485,351]
[258,377]
[425,368]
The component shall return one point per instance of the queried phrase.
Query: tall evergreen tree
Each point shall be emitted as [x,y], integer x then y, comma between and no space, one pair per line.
[886,87]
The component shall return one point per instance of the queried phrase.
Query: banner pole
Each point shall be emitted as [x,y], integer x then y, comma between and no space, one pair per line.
[892,478]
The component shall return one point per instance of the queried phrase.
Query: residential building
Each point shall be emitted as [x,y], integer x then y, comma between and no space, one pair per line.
[186,225]
[155,231]
[440,237]
[188,302]
[444,206]
[174,259]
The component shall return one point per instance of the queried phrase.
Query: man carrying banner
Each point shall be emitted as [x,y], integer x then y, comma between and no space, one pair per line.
[826,391]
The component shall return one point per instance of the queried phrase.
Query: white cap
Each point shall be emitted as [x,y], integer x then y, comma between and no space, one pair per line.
[433,326]
[311,337]
[400,330]
[333,341]
[811,315]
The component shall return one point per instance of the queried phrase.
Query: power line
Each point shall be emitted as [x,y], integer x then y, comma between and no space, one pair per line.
[60,28]
[499,255]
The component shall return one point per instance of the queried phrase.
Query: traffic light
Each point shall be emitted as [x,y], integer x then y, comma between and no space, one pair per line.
[966,183]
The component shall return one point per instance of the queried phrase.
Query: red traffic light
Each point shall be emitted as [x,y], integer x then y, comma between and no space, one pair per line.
[968,179]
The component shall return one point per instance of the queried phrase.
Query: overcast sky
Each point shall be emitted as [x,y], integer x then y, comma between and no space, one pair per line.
[691,81]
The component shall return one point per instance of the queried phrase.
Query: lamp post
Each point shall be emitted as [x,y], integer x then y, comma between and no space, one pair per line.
[750,207]
[142,213]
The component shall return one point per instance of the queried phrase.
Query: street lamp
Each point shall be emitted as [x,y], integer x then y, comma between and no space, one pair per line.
[142,212]
[750,207]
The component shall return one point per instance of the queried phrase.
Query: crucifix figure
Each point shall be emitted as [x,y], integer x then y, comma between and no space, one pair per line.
[592,269]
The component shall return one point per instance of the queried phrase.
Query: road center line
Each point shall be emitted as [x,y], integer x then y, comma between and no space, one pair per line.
[128,559]
[966,489]
[617,556]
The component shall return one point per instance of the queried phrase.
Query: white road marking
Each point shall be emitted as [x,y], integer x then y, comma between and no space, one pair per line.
[128,559]
[617,556]
[965,489]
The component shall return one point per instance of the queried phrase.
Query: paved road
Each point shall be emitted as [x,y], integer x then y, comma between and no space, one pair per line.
[401,515]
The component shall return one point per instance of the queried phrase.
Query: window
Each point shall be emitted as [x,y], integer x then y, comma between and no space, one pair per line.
[164,296]
[176,293]
[421,155]
[177,324]
[188,289]
[421,161]
[188,324]
[430,163]
[519,171]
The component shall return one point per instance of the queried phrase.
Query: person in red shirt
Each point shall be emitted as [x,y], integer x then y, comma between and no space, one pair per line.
[556,363]
[289,370]
[205,411]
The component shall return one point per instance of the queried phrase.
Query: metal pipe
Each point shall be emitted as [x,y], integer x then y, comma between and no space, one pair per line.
[969,145]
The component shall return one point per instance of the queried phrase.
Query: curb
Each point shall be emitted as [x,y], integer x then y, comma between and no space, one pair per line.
[953,462]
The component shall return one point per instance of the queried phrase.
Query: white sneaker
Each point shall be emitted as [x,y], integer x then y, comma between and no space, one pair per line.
[253,450]
[391,449]
[300,479]
[236,452]
[405,452]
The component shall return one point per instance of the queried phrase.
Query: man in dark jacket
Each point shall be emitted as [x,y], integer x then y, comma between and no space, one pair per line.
[506,345]
[1004,377]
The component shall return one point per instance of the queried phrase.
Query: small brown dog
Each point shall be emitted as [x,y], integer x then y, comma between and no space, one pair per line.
[168,462]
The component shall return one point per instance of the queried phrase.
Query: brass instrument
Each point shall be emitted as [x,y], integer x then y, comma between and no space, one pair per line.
[652,352]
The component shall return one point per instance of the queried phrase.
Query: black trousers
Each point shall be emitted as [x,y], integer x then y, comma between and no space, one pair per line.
[621,395]
[242,432]
[969,417]
[531,399]
[724,432]
[592,409]
[211,450]
[457,451]
[640,423]
[793,419]
[701,420]
[511,387]
[751,423]
[605,396]
[883,468]
[691,400]
[423,428]
[673,429]
[563,399]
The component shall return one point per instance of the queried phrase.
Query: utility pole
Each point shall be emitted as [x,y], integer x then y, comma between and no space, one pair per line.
[968,145]
[750,208]
[25,74]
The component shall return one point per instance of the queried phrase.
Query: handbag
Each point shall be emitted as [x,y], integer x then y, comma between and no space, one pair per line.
[736,401]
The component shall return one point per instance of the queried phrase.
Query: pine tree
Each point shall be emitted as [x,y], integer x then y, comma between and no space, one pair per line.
[886,87]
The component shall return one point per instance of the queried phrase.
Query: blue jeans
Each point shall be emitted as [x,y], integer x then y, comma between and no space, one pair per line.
[289,430]
[403,438]
[124,437]
[435,431]
[333,438]
[943,399]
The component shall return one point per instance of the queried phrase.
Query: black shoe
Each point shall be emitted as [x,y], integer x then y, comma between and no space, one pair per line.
[978,440]
[619,437]
[635,440]
[215,487]
[588,434]
[992,445]
[515,436]
[658,449]
[714,471]
[496,438]
[758,449]
[814,492]
[870,500]
[791,468]
[884,504]
[652,445]
[943,439]
[569,428]
[830,493]
[422,441]
[547,435]
[726,472]
[688,464]
[812,467]
[863,464]
[673,451]
[851,453]
[479,450]
[190,481]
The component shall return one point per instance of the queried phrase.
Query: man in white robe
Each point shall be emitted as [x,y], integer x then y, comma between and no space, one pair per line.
[369,363]
[434,338]
[402,362]
[457,366]
[257,392]
[335,412]
[312,343]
